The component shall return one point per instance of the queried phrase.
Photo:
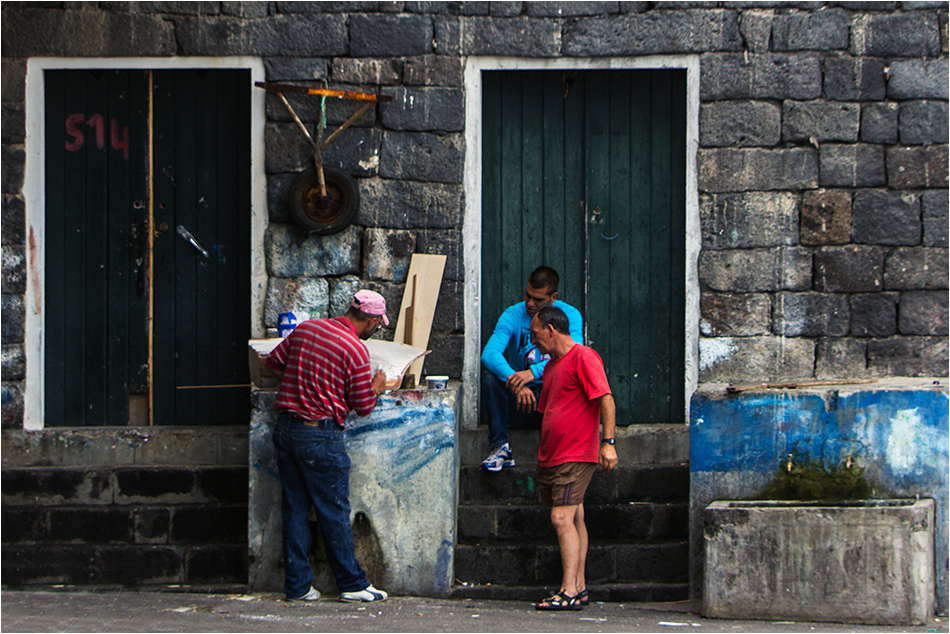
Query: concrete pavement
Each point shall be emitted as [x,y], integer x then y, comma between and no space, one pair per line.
[75,610]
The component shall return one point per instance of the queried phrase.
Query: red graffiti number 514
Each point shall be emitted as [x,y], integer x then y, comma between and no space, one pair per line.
[76,139]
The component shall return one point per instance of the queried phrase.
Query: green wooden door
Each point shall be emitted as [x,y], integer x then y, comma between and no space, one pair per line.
[585,172]
[136,316]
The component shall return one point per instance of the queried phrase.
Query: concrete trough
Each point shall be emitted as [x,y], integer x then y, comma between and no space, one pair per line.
[869,561]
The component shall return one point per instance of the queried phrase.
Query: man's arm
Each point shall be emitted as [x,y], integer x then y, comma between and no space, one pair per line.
[493,356]
[608,423]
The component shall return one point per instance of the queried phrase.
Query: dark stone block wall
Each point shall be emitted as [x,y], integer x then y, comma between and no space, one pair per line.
[124,507]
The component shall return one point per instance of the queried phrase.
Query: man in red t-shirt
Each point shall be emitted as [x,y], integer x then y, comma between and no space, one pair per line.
[576,401]
[324,372]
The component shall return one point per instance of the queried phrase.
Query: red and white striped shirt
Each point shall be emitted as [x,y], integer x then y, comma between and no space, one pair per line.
[326,371]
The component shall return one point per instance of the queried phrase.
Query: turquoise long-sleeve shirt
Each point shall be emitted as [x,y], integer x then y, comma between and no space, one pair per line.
[513,332]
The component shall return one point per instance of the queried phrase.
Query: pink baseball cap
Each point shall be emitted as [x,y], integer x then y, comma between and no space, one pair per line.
[371,303]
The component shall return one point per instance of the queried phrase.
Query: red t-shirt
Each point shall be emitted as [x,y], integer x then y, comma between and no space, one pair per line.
[571,424]
[326,371]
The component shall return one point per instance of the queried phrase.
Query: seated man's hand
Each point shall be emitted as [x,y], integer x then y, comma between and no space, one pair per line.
[518,380]
[526,401]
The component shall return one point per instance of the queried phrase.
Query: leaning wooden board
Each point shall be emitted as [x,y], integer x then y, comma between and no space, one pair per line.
[418,306]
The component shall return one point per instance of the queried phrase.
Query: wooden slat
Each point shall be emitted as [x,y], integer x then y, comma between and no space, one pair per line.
[418,304]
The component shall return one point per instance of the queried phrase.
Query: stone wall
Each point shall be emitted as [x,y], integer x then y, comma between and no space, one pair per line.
[822,157]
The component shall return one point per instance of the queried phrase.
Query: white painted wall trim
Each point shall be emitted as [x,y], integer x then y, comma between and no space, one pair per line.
[35,200]
[472,223]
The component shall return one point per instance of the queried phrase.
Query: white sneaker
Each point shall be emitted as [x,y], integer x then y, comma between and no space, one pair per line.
[367,595]
[498,458]
[312,595]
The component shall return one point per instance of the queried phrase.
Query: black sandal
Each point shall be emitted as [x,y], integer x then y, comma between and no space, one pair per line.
[583,596]
[559,601]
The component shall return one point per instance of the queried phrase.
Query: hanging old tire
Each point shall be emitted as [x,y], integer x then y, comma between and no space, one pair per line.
[324,216]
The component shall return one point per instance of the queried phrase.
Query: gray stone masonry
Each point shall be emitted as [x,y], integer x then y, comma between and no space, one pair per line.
[822,158]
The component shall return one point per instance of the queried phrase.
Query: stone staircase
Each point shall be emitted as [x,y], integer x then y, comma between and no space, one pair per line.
[637,518]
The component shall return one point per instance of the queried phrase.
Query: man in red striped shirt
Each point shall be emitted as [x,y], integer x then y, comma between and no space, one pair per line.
[324,372]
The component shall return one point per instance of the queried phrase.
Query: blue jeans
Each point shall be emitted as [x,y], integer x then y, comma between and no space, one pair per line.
[315,469]
[500,410]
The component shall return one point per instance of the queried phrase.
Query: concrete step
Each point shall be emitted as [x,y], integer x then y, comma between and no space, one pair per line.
[539,564]
[626,483]
[636,444]
[632,521]
[606,592]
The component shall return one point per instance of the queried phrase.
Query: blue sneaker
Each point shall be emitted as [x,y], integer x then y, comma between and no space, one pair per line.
[499,458]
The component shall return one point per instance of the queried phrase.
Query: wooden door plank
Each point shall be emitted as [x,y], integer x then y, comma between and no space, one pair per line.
[419,300]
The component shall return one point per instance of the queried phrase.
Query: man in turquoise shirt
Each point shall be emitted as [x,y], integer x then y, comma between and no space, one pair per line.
[511,383]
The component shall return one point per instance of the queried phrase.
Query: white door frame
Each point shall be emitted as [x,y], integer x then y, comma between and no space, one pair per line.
[472,223]
[34,188]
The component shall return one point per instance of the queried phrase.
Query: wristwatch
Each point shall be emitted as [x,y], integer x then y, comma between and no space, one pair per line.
[609,441]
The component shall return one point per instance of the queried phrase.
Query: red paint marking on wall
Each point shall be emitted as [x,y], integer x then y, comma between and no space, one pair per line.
[76,139]
[34,273]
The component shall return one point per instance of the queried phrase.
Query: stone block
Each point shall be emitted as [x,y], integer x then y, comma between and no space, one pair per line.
[923,313]
[209,524]
[14,318]
[739,124]
[14,122]
[735,314]
[278,195]
[13,78]
[446,358]
[569,9]
[756,270]
[296,294]
[14,269]
[749,219]
[295,69]
[291,252]
[356,152]
[811,315]
[729,170]
[841,358]
[244,9]
[219,36]
[914,34]
[886,217]
[342,290]
[874,315]
[287,149]
[11,405]
[14,163]
[14,362]
[37,32]
[820,121]
[381,35]
[154,485]
[924,122]
[410,205]
[761,76]
[57,487]
[432,70]
[908,356]
[425,110]
[422,157]
[810,31]
[852,165]
[137,565]
[518,36]
[48,564]
[320,35]
[918,79]
[854,78]
[13,219]
[217,564]
[448,36]
[879,123]
[917,167]
[654,33]
[760,561]
[450,311]
[826,217]
[91,525]
[914,268]
[366,70]
[25,524]
[849,269]
[447,243]
[756,28]
[150,525]
[934,204]
[740,359]
[387,254]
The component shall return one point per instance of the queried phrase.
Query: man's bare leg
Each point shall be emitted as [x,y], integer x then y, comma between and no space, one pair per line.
[581,527]
[564,520]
